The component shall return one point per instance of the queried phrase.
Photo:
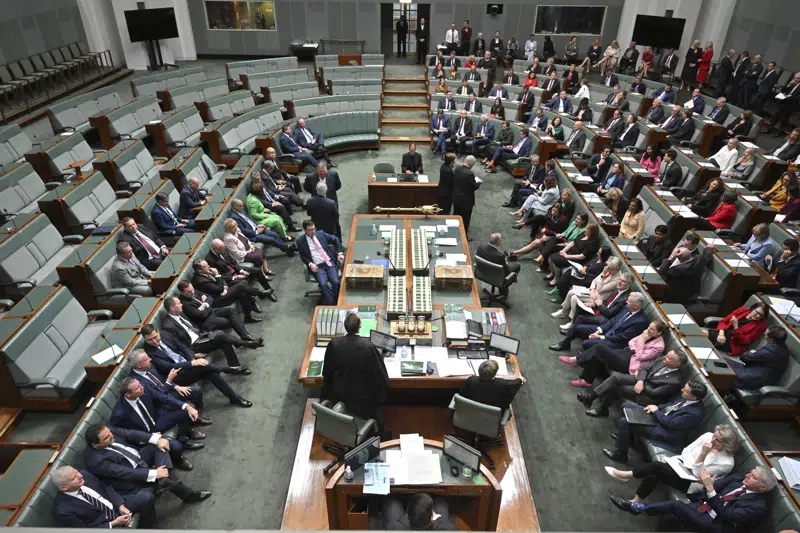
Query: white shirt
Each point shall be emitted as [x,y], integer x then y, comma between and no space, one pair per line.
[316,258]
[583,92]
[624,133]
[725,158]
[530,46]
[518,146]
[452,36]
[560,105]
[461,128]
[308,136]
[115,447]
[140,410]
[716,463]
[612,123]
[781,148]
[471,106]
[192,335]
[94,494]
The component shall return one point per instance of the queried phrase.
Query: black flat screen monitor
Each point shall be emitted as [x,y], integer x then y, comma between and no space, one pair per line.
[658,32]
[504,343]
[366,452]
[463,453]
[382,341]
[151,24]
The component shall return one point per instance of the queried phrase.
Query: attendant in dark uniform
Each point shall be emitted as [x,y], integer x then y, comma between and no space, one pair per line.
[488,389]
[423,512]
[402,35]
[324,212]
[464,186]
[354,373]
[412,162]
[444,189]
[493,252]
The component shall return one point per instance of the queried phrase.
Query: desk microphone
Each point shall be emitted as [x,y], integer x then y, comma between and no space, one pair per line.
[103,336]
[133,306]
[380,254]
[172,264]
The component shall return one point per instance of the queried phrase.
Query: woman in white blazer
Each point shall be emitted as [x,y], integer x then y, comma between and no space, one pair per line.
[538,203]
[601,288]
[242,249]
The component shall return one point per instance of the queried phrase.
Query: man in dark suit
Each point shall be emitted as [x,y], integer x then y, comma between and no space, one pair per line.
[560,103]
[315,247]
[526,100]
[401,29]
[698,102]
[411,163]
[323,175]
[473,105]
[676,422]
[464,186]
[615,124]
[473,74]
[790,148]
[735,94]
[720,112]
[669,63]
[656,247]
[656,113]
[84,501]
[281,177]
[219,313]
[787,265]
[423,513]
[129,460]
[225,290]
[151,378]
[629,57]
[493,252]
[354,373]
[272,177]
[577,139]
[444,189]
[440,130]
[599,165]
[324,212]
[538,119]
[498,91]
[552,84]
[465,89]
[766,365]
[653,384]
[166,221]
[258,232]
[610,79]
[621,328]
[488,389]
[230,270]
[152,411]
[192,199]
[737,503]
[750,80]
[629,135]
[183,329]
[672,174]
[421,34]
[168,355]
[665,94]
[314,142]
[453,60]
[148,249]
[289,146]
[461,133]
[448,104]
[685,129]
[725,72]
[684,273]
[522,148]
[484,133]
[487,62]
[437,59]
[510,78]
[787,102]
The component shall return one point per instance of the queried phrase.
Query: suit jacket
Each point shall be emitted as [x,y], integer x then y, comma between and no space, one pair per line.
[655,252]
[612,305]
[655,115]
[725,71]
[751,75]
[525,148]
[113,467]
[156,403]
[464,187]
[672,176]
[493,255]
[436,124]
[487,130]
[578,141]
[332,179]
[685,130]
[325,213]
[300,139]
[542,125]
[244,221]
[479,47]
[153,379]
[472,76]
[610,81]
[445,187]
[138,249]
[450,62]
[699,104]
[661,388]
[478,106]
[617,127]
[739,515]
[235,246]
[487,64]
[422,33]
[163,362]
[761,367]
[189,200]
[446,105]
[223,263]
[622,327]
[192,311]
[514,79]
[788,272]
[497,392]
[288,144]
[719,114]
[683,279]
[209,284]
[395,516]
[790,153]
[598,173]
[412,162]
[556,88]
[674,430]
[528,97]
[674,123]
[329,243]
[640,88]
[503,93]
[171,326]
[163,221]
[465,91]
[671,63]
[629,138]
[467,126]
[353,372]
[666,97]
[738,72]
[555,102]
[127,274]
[75,512]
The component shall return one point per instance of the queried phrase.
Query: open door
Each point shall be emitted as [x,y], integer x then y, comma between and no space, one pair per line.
[390,15]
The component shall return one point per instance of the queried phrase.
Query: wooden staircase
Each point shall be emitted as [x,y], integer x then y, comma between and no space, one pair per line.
[412,112]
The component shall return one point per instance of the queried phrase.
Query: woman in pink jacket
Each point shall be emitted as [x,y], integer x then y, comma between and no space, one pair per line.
[600,359]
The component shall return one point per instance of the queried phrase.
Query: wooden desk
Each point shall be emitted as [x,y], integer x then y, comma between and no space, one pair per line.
[381,192]
[125,339]
[710,361]
[307,507]
[638,175]
[169,269]
[772,458]
[679,319]
[645,273]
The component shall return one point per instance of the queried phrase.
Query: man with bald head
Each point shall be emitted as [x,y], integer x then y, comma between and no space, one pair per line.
[230,270]
[494,253]
[282,177]
[576,139]
[684,273]
[192,199]
[656,113]
[313,142]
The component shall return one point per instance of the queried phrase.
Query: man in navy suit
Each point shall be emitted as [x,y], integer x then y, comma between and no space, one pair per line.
[610,79]
[521,149]
[323,175]
[192,199]
[629,134]
[736,503]
[538,120]
[169,355]
[685,129]
[129,460]
[289,146]
[666,94]
[599,165]
[324,212]
[257,232]
[762,367]
[165,219]
[314,142]
[153,411]
[440,130]
[698,102]
[484,134]
[720,111]
[676,422]
[448,104]
[148,249]
[315,253]
[498,91]
[84,501]
[672,122]
[750,80]
[560,103]
[614,332]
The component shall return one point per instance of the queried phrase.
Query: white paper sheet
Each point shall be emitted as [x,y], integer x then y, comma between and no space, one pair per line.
[447,241]
[428,229]
[411,444]
[502,365]
[703,354]
[456,257]
[584,179]
[644,269]
[424,469]
[107,355]
[455,367]
[751,198]
[386,235]
[679,319]
[446,262]
[433,354]
[717,242]
[317,353]
[628,248]
[386,227]
[453,222]
[392,367]
[785,307]
[391,180]
[441,227]
[398,467]
[380,478]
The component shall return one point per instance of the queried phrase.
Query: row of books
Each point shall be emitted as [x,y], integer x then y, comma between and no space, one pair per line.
[330,322]
[462,325]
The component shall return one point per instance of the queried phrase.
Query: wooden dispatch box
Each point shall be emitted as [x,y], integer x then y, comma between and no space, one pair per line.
[364,276]
[454,278]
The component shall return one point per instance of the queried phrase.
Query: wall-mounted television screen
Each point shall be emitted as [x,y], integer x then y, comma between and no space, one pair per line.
[151,24]
[583,20]
[658,32]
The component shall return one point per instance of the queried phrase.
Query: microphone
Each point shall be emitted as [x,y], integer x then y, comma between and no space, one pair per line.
[113,351]
[380,254]
[172,264]
[133,306]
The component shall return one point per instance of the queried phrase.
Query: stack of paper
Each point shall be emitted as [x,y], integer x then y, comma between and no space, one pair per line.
[785,307]
[413,464]
[502,366]
[432,354]
[453,222]
[379,475]
[704,354]
[455,367]
[107,355]
[791,471]
[456,257]
[447,241]
[680,319]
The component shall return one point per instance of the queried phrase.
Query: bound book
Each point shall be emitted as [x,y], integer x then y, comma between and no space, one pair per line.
[314,369]
[412,368]
[474,329]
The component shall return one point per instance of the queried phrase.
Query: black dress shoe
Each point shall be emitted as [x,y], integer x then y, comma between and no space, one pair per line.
[202,421]
[250,319]
[256,307]
[265,293]
[191,445]
[254,343]
[238,371]
[271,297]
[241,402]
[586,398]
[615,455]
[508,204]
[558,347]
[195,434]
[332,164]
[623,505]
[198,496]
[183,464]
[597,412]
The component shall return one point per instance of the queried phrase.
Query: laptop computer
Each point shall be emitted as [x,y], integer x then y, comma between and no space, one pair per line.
[637,415]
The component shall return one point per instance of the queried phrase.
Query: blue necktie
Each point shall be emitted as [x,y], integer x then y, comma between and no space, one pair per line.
[178,358]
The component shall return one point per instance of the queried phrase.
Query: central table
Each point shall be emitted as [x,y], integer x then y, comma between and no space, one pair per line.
[388,190]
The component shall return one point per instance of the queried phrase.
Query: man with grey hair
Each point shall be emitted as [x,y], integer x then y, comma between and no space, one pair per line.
[283,177]
[192,199]
[324,175]
[258,232]
[484,134]
[270,176]
[323,211]
[127,272]
[465,183]
[84,501]
[736,502]
[494,253]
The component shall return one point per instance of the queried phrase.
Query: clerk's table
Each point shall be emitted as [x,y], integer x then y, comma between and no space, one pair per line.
[402,190]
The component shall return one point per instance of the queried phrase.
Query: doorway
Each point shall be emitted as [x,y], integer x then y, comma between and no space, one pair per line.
[390,15]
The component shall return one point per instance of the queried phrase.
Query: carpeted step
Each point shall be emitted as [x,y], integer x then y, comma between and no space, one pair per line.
[391,130]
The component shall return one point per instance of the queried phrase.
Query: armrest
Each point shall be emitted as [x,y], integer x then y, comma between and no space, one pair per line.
[63,175]
[50,185]
[73,239]
[745,138]
[22,283]
[232,151]
[723,232]
[703,300]
[115,292]
[712,320]
[777,391]
[790,291]
[524,160]
[99,151]
[678,191]
[288,158]
[581,155]
[103,314]
[6,304]
[124,136]
[221,166]
[366,429]
[125,194]
[179,143]
[89,225]
[65,128]
[506,417]
[161,160]
[35,382]
[512,277]
[688,144]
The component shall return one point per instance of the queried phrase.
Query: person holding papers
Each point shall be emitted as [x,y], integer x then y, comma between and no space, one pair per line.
[554,224]
[696,103]
[596,280]
[580,251]
[488,389]
[522,148]
[552,244]
[778,195]
[593,313]
[713,451]
[423,512]
[762,367]
[740,329]
[353,372]
[675,422]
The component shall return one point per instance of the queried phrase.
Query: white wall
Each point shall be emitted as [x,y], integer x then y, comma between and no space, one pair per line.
[100,27]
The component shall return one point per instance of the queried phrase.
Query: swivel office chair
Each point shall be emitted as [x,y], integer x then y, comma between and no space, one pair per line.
[495,276]
[335,424]
[481,420]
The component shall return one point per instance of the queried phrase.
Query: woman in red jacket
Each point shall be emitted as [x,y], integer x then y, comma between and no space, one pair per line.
[704,63]
[725,213]
[737,331]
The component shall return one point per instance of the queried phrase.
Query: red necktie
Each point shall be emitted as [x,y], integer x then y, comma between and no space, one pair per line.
[608,301]
[154,252]
[550,85]
[728,497]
